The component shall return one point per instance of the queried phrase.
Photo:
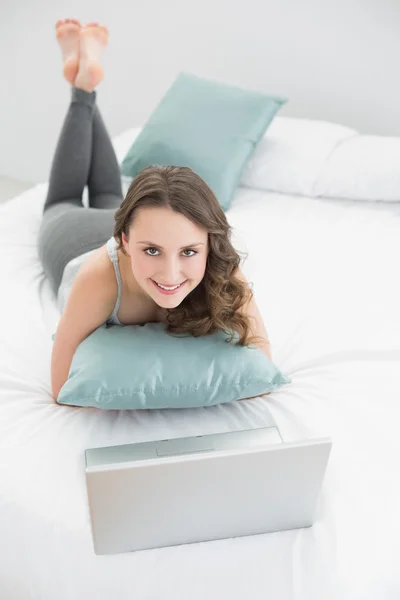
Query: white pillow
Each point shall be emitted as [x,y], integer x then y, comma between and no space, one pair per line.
[315,159]
[288,159]
[124,141]
[364,167]
[291,155]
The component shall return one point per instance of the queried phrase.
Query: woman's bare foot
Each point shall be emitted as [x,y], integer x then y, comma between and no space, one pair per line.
[93,40]
[67,32]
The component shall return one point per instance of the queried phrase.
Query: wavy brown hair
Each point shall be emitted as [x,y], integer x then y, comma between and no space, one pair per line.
[216,303]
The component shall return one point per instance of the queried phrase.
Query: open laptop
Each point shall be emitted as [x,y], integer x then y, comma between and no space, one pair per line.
[177,491]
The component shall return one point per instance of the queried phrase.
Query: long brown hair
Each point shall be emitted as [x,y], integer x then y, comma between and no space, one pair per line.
[214,305]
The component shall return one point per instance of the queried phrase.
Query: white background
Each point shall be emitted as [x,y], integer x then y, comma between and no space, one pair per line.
[336,61]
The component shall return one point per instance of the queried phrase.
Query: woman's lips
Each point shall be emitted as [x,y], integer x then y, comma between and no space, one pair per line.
[168,292]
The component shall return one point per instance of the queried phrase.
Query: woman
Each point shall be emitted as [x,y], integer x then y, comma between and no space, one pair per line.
[169,258]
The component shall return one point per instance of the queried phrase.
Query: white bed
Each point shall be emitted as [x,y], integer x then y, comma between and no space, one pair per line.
[325,275]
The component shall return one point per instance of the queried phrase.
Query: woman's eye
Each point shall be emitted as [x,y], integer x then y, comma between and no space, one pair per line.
[155,252]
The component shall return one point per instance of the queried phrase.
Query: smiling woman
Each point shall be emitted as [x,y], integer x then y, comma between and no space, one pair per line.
[170,258]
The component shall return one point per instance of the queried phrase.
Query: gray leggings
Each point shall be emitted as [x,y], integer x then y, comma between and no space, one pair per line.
[84,156]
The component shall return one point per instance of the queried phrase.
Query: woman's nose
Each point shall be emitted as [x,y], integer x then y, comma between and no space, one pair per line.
[171,273]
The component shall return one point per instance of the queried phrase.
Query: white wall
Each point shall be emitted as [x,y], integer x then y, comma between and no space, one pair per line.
[336,61]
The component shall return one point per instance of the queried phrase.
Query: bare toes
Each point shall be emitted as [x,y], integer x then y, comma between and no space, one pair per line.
[67,31]
[64,22]
[95,31]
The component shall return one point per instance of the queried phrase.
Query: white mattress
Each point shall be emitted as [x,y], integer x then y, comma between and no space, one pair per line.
[325,277]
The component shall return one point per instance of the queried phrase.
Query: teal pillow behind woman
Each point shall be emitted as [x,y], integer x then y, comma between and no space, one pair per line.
[211,127]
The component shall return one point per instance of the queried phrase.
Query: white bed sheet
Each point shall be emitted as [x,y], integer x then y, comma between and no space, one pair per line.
[325,277]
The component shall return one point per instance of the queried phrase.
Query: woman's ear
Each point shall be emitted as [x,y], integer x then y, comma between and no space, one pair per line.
[125,243]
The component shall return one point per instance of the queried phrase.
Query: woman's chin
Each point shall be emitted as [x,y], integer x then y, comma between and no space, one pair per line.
[170,302]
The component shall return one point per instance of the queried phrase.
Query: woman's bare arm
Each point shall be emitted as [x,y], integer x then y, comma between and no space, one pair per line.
[90,303]
[257,326]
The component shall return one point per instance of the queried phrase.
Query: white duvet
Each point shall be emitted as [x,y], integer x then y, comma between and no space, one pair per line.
[325,276]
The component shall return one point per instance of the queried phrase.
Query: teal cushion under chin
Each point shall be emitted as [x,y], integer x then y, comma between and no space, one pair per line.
[211,127]
[143,367]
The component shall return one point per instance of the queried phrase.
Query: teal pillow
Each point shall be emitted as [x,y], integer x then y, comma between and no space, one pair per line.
[142,367]
[213,128]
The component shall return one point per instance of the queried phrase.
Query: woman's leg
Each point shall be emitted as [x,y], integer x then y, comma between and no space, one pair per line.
[104,180]
[71,163]
[68,229]
[104,183]
[84,155]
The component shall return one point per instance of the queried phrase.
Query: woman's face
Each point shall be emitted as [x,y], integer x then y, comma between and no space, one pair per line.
[166,249]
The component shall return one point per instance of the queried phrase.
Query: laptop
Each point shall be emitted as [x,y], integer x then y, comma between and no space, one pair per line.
[207,487]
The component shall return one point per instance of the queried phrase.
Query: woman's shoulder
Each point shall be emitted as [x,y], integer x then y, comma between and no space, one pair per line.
[99,268]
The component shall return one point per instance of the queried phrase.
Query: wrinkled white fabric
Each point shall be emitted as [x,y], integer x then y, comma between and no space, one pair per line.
[325,277]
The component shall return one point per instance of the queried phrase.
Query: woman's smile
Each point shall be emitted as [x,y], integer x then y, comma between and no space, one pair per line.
[168,290]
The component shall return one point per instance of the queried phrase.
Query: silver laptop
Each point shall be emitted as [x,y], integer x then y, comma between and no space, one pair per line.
[193,489]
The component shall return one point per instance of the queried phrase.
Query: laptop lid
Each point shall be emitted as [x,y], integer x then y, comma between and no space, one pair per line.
[186,490]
